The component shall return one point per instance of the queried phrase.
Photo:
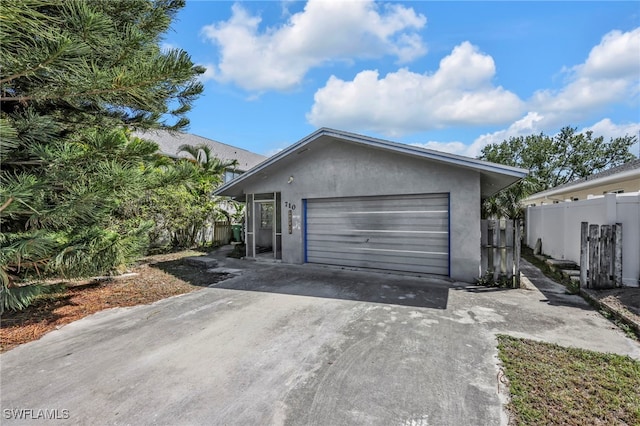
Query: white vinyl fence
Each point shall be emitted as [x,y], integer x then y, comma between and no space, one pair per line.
[558,226]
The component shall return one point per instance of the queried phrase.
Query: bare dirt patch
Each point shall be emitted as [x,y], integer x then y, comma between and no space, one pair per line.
[622,305]
[627,299]
[156,277]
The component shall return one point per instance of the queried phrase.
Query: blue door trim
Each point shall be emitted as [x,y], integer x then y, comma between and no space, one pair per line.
[449,230]
[304,225]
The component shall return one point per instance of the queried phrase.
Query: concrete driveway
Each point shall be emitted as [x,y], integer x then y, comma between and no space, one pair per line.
[298,345]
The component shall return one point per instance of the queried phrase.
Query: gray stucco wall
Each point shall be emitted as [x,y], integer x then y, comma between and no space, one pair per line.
[339,169]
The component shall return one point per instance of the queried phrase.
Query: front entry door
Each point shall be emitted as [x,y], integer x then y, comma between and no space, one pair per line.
[263,233]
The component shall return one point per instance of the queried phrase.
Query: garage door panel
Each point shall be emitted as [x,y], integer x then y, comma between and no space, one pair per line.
[388,256]
[373,222]
[379,229]
[390,243]
[417,263]
[403,233]
[425,268]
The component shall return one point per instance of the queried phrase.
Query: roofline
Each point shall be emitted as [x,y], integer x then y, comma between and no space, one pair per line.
[380,143]
[179,132]
[585,184]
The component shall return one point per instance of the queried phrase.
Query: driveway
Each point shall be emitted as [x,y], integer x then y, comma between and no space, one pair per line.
[295,345]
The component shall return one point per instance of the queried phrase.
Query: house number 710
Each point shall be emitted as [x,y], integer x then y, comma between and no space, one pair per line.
[289,205]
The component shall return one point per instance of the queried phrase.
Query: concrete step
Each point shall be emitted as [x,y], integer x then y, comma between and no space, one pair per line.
[540,257]
[571,272]
[562,264]
[201,262]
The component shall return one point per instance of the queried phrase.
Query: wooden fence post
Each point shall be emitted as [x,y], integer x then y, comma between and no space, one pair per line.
[516,254]
[509,246]
[617,255]
[584,253]
[484,244]
[605,256]
[496,249]
[594,251]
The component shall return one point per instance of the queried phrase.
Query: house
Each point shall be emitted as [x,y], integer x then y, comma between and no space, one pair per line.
[170,142]
[554,216]
[349,200]
[617,180]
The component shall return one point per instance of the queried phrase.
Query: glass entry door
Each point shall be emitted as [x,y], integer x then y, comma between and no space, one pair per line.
[263,226]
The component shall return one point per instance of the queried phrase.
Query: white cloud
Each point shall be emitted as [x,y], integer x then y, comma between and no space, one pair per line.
[608,129]
[279,57]
[610,75]
[527,125]
[530,125]
[451,147]
[617,55]
[459,93]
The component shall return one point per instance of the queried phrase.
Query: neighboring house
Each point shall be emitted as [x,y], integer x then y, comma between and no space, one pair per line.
[617,180]
[170,142]
[613,196]
[349,200]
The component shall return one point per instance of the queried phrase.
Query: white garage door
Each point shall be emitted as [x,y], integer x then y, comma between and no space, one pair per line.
[401,233]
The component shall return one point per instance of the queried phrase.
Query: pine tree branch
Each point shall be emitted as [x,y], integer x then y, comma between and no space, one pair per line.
[6,204]
[24,99]
[32,70]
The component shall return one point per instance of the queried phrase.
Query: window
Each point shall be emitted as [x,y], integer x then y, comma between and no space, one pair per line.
[266,216]
[616,191]
[231,174]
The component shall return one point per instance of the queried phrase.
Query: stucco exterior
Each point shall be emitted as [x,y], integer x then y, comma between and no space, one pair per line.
[335,167]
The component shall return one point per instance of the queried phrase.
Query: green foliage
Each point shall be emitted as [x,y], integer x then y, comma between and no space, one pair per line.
[74,76]
[552,161]
[182,206]
[503,281]
[18,298]
[95,62]
[62,201]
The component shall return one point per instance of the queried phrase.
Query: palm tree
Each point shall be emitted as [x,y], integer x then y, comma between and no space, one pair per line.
[210,164]
[207,173]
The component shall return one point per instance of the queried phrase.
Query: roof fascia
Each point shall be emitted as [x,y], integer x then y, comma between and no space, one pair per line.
[586,184]
[383,144]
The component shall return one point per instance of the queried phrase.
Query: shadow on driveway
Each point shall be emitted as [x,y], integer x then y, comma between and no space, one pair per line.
[324,282]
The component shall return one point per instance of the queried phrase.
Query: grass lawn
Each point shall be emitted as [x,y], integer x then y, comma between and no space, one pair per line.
[553,385]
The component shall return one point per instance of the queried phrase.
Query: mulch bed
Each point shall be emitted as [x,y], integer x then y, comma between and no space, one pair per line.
[157,277]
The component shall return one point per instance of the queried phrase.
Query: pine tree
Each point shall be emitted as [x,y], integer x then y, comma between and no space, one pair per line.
[75,76]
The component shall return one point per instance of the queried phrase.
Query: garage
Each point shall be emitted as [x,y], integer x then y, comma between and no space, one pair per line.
[355,201]
[408,233]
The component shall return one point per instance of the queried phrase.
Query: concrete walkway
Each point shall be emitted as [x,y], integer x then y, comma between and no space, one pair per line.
[296,345]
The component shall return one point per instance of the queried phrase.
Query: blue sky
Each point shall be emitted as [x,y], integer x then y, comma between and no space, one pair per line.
[452,76]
